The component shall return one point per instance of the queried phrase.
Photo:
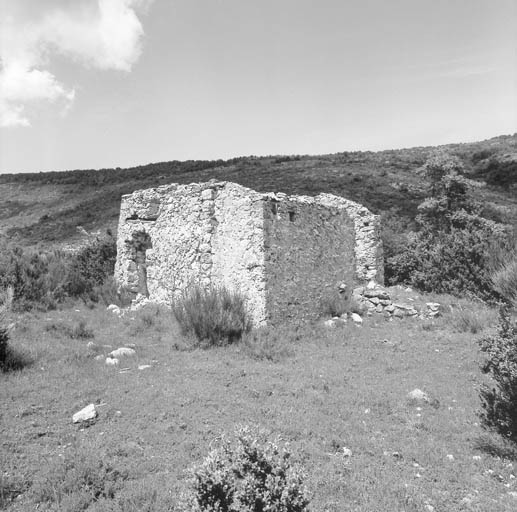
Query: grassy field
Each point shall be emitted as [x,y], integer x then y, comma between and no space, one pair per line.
[321,390]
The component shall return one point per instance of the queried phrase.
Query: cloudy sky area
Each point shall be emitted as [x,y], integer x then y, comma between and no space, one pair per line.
[107,83]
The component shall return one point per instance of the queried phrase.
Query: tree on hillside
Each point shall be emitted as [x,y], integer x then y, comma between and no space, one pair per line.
[450,251]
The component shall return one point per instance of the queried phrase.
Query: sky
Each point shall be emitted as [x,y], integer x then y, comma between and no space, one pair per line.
[87,84]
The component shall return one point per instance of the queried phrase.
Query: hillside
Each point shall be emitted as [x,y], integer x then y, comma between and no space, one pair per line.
[47,208]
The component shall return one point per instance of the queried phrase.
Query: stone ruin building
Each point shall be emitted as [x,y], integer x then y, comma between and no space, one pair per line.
[283,253]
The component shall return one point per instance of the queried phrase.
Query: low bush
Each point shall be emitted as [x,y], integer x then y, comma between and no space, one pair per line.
[500,402]
[214,315]
[456,262]
[90,267]
[247,473]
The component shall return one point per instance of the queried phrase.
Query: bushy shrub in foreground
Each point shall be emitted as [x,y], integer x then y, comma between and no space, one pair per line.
[500,403]
[214,315]
[247,473]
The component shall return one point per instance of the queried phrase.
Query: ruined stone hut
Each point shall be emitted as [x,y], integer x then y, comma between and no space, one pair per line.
[284,253]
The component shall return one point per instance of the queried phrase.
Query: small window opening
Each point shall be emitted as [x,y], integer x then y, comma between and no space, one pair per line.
[274,208]
[291,216]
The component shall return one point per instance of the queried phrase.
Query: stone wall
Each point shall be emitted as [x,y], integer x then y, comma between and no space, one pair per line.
[309,251]
[238,246]
[368,241]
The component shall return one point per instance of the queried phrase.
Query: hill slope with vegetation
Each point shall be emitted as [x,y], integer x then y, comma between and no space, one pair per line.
[47,208]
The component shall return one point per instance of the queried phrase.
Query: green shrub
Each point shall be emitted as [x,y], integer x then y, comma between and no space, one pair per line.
[247,473]
[456,262]
[90,267]
[451,250]
[214,315]
[37,278]
[500,403]
[44,279]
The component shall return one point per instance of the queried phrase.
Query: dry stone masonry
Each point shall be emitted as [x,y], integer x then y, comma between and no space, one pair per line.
[374,298]
[283,253]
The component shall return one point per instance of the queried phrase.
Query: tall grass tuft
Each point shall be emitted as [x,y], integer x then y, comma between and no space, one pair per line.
[505,281]
[271,343]
[503,264]
[472,319]
[214,315]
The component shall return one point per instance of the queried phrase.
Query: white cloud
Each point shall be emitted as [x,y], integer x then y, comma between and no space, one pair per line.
[105,34]
[20,85]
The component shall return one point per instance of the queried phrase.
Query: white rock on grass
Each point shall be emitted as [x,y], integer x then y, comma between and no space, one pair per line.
[99,357]
[144,366]
[114,309]
[329,323]
[417,395]
[87,414]
[356,318]
[346,452]
[139,302]
[112,361]
[122,352]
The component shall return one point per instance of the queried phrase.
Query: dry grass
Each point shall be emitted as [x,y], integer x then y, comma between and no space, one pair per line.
[334,389]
